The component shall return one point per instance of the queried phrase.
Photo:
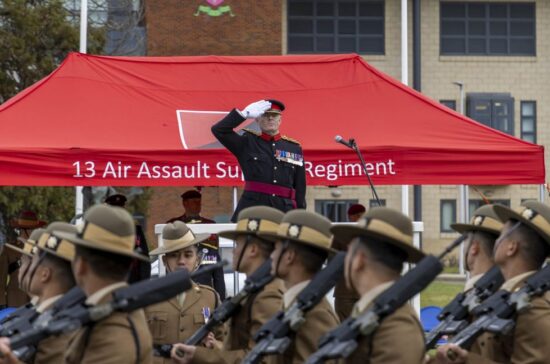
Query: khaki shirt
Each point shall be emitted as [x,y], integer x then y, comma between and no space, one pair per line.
[470,282]
[172,322]
[255,312]
[398,340]
[51,350]
[318,321]
[122,338]
[528,343]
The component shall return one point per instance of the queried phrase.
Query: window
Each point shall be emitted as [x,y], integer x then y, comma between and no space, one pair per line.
[492,109]
[334,210]
[529,121]
[495,28]
[475,204]
[332,26]
[451,104]
[374,203]
[447,215]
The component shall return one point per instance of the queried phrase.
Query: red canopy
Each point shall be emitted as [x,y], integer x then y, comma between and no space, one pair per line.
[146,121]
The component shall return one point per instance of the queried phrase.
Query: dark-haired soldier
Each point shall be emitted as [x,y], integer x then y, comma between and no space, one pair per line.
[302,244]
[381,242]
[273,165]
[482,231]
[520,251]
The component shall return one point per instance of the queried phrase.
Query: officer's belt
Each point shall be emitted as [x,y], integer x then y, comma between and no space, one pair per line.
[269,189]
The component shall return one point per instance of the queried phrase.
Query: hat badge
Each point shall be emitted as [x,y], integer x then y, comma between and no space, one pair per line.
[478,220]
[528,214]
[51,243]
[34,250]
[294,231]
[253,225]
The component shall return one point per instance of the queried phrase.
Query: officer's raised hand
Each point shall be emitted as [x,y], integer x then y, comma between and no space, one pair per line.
[255,109]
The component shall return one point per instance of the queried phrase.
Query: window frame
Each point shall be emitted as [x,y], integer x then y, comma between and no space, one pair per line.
[335,36]
[321,206]
[442,229]
[522,118]
[467,19]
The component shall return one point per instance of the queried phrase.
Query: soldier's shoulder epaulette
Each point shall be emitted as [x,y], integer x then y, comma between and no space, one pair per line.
[290,139]
[255,132]
[205,287]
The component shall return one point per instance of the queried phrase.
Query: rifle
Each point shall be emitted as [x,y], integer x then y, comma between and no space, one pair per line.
[342,341]
[497,313]
[253,284]
[454,317]
[272,337]
[127,299]
[30,316]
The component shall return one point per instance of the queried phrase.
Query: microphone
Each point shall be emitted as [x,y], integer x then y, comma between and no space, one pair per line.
[343,141]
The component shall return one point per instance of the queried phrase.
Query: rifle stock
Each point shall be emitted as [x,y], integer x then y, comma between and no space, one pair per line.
[497,313]
[454,317]
[272,337]
[127,299]
[342,341]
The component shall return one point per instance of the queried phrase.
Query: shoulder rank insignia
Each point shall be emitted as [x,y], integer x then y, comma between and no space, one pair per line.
[290,139]
[255,132]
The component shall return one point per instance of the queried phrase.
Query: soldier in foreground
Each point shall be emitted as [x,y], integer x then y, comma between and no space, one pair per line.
[381,243]
[250,252]
[483,229]
[520,251]
[302,244]
[177,319]
[103,255]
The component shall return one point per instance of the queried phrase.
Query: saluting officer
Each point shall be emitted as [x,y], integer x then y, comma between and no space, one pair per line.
[302,244]
[520,251]
[381,243]
[249,254]
[177,319]
[273,165]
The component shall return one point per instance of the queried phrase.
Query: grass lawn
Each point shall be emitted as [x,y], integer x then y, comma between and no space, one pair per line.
[440,293]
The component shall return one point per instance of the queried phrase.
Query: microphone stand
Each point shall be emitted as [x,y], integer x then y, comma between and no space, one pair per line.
[354,146]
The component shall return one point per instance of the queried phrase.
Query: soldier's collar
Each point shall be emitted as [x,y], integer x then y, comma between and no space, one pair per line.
[269,138]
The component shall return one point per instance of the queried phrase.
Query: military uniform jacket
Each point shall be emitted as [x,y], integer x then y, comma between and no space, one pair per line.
[122,338]
[318,321]
[275,162]
[170,323]
[398,340]
[51,350]
[255,312]
[527,344]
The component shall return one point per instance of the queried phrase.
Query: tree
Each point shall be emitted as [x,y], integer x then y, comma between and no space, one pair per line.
[35,37]
[49,203]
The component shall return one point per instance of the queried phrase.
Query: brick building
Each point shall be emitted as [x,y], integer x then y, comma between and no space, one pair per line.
[497,49]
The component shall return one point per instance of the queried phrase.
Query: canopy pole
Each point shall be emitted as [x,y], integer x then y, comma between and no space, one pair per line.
[464,218]
[542,193]
[405,81]
[236,282]
[79,198]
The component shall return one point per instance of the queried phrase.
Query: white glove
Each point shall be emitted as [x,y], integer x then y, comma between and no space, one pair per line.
[255,109]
